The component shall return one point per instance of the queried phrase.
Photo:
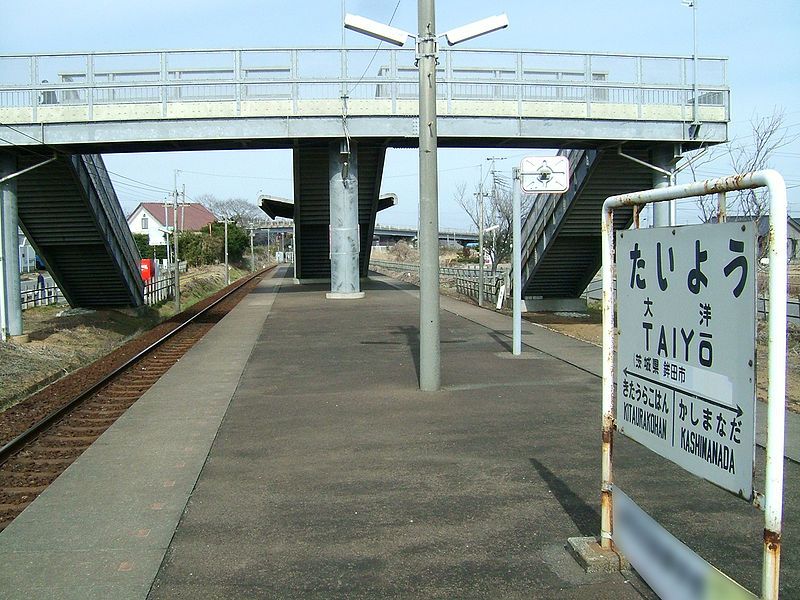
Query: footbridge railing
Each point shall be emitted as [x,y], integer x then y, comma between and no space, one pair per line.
[234,82]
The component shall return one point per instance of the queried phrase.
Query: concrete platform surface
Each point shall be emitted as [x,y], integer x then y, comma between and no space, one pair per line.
[332,476]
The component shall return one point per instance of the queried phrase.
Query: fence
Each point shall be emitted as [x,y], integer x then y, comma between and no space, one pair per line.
[464,279]
[159,290]
[594,292]
[41,296]
[467,285]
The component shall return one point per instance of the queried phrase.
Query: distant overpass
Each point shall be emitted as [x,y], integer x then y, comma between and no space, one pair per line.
[388,235]
[385,234]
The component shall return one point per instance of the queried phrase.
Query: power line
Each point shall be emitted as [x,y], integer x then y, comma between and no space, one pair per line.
[63,153]
[237,176]
[374,54]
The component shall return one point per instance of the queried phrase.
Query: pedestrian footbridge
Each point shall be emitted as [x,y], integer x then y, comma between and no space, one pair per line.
[340,109]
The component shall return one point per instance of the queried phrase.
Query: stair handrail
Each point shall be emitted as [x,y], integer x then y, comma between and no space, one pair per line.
[108,197]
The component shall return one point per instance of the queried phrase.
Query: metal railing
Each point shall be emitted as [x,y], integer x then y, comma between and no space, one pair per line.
[159,289]
[297,74]
[464,279]
[41,296]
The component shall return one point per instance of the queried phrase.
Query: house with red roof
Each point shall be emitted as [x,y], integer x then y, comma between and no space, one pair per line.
[153,218]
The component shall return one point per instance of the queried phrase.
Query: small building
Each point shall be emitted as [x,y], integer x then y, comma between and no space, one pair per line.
[153,218]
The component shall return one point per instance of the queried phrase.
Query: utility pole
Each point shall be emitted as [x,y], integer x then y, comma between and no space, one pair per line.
[176,262]
[429,336]
[481,225]
[166,232]
[252,253]
[183,207]
[227,272]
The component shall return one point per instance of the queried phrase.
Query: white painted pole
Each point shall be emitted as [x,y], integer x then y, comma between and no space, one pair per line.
[516,286]
[480,239]
[776,411]
[227,271]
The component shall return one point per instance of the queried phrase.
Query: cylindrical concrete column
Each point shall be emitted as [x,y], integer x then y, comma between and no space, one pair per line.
[344,240]
[662,157]
[12,317]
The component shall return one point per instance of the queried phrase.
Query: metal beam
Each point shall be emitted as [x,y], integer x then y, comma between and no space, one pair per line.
[399,131]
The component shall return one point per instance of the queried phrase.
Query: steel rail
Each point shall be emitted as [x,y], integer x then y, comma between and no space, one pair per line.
[26,436]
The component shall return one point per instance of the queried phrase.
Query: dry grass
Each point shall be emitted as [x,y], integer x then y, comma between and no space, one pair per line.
[62,341]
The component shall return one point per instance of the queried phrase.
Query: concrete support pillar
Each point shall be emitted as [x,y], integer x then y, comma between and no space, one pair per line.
[9,226]
[344,238]
[662,157]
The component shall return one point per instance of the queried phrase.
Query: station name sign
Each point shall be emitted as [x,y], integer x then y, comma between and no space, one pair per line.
[685,372]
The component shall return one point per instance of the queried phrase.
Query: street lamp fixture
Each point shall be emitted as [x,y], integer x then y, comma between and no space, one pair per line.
[427,58]
[399,37]
[374,29]
[478,28]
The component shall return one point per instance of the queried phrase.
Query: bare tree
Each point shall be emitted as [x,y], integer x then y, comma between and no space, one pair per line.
[498,211]
[768,136]
[238,210]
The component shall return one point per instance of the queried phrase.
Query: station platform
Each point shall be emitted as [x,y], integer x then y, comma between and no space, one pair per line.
[290,454]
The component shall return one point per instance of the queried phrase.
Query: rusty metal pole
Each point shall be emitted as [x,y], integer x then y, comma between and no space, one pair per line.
[776,393]
[609,328]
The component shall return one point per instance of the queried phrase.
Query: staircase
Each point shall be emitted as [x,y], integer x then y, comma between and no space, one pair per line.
[370,173]
[312,205]
[311,211]
[561,250]
[70,213]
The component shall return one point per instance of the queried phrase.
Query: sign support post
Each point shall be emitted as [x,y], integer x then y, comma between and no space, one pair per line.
[516,285]
[535,175]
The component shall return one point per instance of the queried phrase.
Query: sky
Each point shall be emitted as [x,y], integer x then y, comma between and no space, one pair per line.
[759,38]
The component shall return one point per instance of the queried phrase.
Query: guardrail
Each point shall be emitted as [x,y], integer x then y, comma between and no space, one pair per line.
[636,82]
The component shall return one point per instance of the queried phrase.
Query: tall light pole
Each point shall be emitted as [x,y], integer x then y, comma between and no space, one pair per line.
[481,225]
[427,56]
[695,104]
[429,341]
[516,286]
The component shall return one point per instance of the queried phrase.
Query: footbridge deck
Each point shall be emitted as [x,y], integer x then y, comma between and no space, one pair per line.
[112,101]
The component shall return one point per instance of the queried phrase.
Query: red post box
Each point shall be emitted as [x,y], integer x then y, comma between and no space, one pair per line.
[147,269]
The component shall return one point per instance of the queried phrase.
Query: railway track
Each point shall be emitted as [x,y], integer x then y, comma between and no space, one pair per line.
[48,433]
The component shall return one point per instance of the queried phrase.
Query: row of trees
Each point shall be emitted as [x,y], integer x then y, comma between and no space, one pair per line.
[200,247]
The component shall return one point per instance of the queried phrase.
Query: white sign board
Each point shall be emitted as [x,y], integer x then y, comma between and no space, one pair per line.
[672,570]
[685,370]
[544,174]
